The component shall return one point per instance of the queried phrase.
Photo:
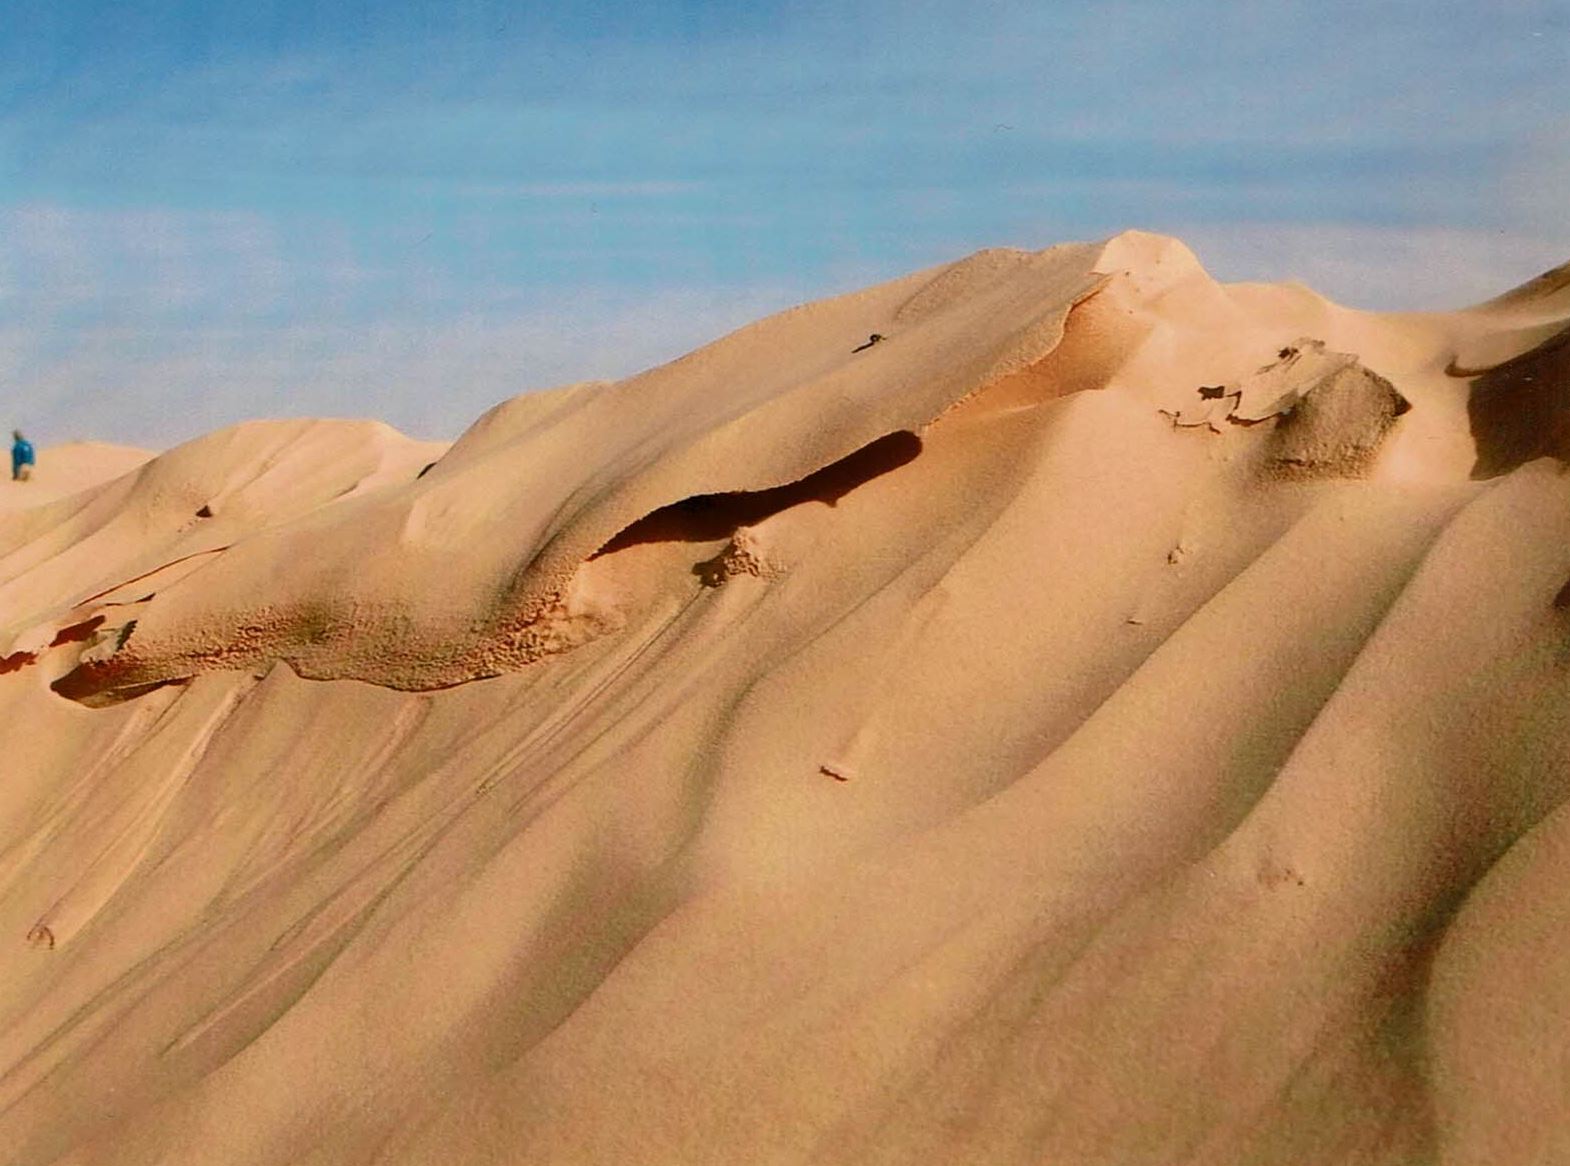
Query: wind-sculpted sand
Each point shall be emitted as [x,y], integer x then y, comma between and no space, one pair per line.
[1115,719]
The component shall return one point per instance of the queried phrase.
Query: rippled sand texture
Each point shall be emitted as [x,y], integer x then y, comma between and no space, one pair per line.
[1115,719]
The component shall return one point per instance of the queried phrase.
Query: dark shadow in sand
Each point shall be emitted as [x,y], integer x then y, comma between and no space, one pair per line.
[1520,410]
[708,517]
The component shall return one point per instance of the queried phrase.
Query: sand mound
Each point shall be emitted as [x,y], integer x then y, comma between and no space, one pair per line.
[1115,718]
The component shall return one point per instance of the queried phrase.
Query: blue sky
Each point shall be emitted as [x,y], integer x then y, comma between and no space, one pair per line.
[410,209]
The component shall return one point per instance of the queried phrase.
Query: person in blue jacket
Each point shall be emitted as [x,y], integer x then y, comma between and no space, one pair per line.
[21,457]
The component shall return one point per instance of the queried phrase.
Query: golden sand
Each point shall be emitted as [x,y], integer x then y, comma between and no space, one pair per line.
[1117,718]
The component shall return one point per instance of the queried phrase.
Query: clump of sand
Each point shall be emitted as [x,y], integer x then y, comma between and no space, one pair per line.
[1115,718]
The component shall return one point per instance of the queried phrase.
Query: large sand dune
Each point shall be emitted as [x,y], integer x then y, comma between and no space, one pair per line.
[1118,719]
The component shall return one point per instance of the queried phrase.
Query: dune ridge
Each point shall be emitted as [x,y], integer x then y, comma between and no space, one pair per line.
[1116,718]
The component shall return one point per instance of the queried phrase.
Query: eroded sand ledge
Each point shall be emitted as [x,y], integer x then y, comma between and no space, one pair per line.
[1117,718]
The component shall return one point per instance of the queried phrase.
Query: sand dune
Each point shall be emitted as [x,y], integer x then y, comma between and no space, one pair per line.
[69,469]
[1117,718]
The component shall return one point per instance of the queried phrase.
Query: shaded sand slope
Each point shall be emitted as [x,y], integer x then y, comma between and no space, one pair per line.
[1116,719]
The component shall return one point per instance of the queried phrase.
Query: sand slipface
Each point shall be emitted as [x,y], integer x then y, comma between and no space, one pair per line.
[1115,718]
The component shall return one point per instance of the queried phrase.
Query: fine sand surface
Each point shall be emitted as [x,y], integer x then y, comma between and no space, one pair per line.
[1116,719]
[68,469]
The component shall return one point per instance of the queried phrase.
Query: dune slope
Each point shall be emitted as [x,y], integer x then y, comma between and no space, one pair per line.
[1116,718]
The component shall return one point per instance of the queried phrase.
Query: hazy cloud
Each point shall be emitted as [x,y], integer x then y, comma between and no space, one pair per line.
[409,208]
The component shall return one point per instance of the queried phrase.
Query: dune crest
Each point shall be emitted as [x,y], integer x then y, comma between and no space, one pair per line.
[1114,718]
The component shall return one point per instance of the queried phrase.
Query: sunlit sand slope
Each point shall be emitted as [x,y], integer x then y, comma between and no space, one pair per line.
[1115,718]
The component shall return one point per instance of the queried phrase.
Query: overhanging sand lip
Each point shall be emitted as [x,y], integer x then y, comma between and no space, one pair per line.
[769,405]
[791,405]
[1520,408]
[564,473]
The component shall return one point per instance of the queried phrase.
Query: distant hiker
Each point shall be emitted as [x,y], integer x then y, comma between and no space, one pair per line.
[871,340]
[21,457]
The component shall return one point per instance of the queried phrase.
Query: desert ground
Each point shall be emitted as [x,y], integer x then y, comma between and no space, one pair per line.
[1116,718]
